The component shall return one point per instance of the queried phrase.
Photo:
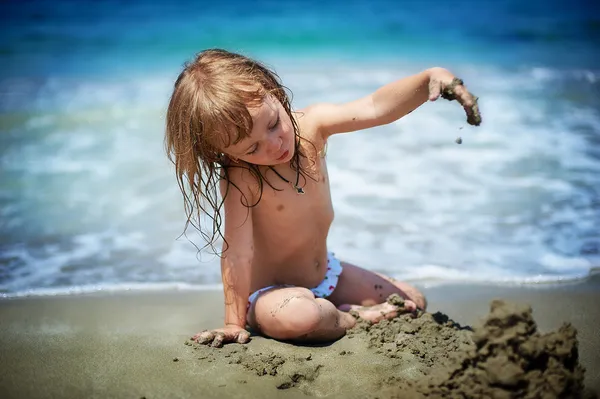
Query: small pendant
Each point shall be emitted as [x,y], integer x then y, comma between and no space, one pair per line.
[299,190]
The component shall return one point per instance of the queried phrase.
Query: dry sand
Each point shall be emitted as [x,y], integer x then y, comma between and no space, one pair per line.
[136,345]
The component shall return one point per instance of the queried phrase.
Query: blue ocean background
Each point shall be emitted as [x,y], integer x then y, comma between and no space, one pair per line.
[88,200]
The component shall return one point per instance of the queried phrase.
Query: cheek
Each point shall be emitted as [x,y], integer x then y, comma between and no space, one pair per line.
[260,158]
[287,127]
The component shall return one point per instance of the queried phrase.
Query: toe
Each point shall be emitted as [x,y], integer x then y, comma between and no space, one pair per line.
[410,305]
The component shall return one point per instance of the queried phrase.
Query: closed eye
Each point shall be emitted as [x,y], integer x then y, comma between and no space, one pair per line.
[253,150]
[276,123]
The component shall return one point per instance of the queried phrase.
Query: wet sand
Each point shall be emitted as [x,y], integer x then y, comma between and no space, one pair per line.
[136,345]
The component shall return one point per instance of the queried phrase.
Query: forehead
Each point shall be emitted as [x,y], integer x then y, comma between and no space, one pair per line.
[266,106]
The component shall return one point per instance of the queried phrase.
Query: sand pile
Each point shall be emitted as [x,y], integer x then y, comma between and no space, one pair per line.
[424,356]
[506,358]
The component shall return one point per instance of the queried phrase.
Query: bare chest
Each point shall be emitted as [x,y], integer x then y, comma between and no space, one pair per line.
[283,213]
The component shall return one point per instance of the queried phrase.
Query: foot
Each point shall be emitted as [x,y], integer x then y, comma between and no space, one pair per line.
[383,311]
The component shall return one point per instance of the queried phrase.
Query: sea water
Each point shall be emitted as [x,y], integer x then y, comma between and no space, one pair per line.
[88,200]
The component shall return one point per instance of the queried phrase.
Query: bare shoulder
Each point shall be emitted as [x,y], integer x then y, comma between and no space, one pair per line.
[312,122]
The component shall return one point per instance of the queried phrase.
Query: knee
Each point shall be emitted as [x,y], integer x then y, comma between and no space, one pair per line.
[297,317]
[303,316]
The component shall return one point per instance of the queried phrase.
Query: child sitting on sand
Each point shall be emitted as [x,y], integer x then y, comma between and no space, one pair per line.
[237,144]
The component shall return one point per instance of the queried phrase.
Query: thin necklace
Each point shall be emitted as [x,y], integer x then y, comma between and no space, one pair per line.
[299,190]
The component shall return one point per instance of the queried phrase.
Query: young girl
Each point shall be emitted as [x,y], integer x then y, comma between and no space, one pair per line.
[237,144]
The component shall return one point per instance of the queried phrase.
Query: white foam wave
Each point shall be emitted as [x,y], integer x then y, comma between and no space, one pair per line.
[435,275]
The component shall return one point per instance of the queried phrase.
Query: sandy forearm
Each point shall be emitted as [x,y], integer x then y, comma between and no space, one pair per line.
[394,100]
[236,288]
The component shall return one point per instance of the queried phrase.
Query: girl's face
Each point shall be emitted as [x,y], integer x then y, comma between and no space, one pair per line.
[272,139]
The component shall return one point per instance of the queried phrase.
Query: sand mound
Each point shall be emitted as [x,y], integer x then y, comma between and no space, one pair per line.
[425,356]
[507,358]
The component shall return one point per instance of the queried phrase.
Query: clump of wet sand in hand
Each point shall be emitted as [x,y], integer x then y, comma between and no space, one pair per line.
[473,114]
[508,358]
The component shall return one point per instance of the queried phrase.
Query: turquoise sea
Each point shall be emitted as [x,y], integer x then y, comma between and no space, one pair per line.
[88,200]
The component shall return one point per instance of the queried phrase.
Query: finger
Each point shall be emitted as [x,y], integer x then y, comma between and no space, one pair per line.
[243,337]
[472,110]
[218,341]
[463,96]
[197,335]
[205,337]
[410,306]
[469,103]
[473,115]
[435,89]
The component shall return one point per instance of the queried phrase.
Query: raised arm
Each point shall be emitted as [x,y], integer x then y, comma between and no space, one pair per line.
[391,102]
[236,261]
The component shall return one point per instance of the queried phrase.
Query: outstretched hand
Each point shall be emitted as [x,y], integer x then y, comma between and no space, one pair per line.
[220,336]
[445,84]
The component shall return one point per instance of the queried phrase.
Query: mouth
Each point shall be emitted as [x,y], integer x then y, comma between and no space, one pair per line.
[284,155]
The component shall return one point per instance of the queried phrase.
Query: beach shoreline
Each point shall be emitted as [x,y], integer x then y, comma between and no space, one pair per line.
[134,344]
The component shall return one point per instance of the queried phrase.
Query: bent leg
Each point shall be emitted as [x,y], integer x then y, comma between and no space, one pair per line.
[294,313]
[358,286]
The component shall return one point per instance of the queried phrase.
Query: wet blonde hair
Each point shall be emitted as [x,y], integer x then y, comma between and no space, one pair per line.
[208,111]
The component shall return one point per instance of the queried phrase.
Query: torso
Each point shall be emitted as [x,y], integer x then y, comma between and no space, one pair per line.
[290,229]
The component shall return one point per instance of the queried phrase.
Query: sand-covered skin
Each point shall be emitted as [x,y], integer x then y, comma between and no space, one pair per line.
[427,355]
[472,109]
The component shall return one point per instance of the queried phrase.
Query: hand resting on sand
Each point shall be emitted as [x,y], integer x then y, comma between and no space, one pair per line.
[220,336]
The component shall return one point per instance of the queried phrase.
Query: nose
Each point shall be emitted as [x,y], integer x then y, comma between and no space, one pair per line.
[275,145]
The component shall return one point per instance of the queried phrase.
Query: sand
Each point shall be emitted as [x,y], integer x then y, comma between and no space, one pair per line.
[536,343]
[430,355]
[472,110]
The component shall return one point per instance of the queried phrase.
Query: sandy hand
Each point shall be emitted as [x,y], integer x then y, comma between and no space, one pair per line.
[445,84]
[220,336]
[383,311]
